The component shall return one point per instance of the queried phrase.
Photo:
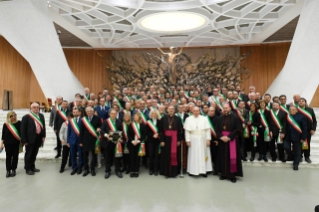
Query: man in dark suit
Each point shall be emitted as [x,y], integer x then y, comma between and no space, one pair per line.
[241,112]
[60,118]
[214,140]
[89,130]
[241,95]
[283,106]
[102,109]
[109,125]
[74,142]
[311,124]
[252,99]
[296,134]
[32,136]
[267,98]
[183,116]
[277,132]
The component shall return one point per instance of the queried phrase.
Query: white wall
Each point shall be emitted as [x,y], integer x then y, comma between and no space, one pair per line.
[28,27]
[300,74]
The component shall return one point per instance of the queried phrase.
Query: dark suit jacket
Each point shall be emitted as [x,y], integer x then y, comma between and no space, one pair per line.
[105,114]
[268,119]
[121,116]
[131,134]
[28,129]
[72,136]
[58,121]
[282,116]
[311,125]
[292,133]
[86,138]
[150,133]
[106,129]
[256,119]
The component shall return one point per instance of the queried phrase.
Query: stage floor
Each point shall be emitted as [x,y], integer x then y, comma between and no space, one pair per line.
[262,189]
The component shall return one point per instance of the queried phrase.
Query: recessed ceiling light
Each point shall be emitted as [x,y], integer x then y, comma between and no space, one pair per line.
[173,22]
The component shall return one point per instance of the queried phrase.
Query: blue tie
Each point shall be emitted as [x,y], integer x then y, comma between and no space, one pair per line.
[90,119]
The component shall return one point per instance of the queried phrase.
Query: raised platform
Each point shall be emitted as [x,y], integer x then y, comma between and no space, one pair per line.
[47,153]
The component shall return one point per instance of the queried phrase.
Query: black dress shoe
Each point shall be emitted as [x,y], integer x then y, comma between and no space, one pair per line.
[30,172]
[260,158]
[36,170]
[119,174]
[289,159]
[61,170]
[204,175]
[56,148]
[132,175]
[70,164]
[58,155]
[233,180]
[244,159]
[93,173]
[300,160]
[215,172]
[136,175]
[79,171]
[107,175]
[86,172]
[73,172]
[8,174]
[123,170]
[252,159]
[273,159]
[308,160]
[222,178]
[151,172]
[296,168]
[283,160]
[13,173]
[155,173]
[265,158]
[127,171]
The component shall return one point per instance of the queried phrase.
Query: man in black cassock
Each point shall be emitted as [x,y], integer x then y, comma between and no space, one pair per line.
[170,136]
[228,128]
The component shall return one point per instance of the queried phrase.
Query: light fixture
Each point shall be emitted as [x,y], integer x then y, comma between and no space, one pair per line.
[173,22]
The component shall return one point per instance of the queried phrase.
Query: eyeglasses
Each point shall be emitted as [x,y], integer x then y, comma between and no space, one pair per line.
[13,116]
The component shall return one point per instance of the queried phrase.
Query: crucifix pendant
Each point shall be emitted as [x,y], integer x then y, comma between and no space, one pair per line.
[224,127]
[170,127]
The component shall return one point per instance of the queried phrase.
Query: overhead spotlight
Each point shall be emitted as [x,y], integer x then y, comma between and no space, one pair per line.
[49,5]
[48,1]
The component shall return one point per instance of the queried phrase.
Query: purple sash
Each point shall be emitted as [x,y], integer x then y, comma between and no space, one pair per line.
[233,154]
[173,135]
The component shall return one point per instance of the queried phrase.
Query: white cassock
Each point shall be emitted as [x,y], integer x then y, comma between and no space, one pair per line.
[197,132]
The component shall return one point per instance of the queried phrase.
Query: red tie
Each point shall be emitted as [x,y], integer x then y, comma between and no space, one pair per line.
[38,128]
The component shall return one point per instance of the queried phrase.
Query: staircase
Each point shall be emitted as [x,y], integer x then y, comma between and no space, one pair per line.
[47,152]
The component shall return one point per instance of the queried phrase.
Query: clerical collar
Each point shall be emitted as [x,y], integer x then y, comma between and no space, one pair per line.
[227,114]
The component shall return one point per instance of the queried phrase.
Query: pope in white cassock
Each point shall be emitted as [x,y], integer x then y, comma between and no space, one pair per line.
[198,136]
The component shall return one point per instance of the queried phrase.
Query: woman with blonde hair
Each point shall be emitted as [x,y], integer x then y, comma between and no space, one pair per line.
[126,157]
[153,142]
[11,139]
[136,135]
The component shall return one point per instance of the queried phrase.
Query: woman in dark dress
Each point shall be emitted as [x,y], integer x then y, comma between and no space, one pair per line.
[11,140]
[136,135]
[152,129]
[253,122]
[263,131]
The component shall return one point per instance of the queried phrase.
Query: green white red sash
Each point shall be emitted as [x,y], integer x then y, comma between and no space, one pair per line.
[254,131]
[190,114]
[152,126]
[118,150]
[66,123]
[107,104]
[293,123]
[283,108]
[124,125]
[36,119]
[265,123]
[249,102]
[118,101]
[74,105]
[127,98]
[268,108]
[177,114]
[111,124]
[278,124]
[212,129]
[90,128]
[141,151]
[246,129]
[222,95]
[87,98]
[240,98]
[63,115]
[161,115]
[217,103]
[186,95]
[233,103]
[143,116]
[305,112]
[75,126]
[194,100]
[295,104]
[57,107]
[136,130]
[125,111]
[14,131]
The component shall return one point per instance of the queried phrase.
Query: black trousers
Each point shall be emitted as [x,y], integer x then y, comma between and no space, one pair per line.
[110,158]
[297,149]
[86,160]
[280,148]
[214,152]
[126,158]
[262,144]
[134,158]
[153,155]
[31,152]
[12,156]
[307,151]
[251,145]
[242,144]
[65,156]
[59,145]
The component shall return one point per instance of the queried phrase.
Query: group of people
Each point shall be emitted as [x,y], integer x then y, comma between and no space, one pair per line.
[184,129]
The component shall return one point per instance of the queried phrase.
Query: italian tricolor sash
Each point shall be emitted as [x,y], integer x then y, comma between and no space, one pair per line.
[194,100]
[74,105]
[265,123]
[217,103]
[177,114]
[127,98]
[212,129]
[14,131]
[186,95]
[254,131]
[295,104]
[36,119]
[63,115]
[143,116]
[141,151]
[57,107]
[136,130]
[111,124]
[124,125]
[152,126]
[305,112]
[268,108]
[283,108]
[125,111]
[90,128]
[66,123]
[278,124]
[240,98]
[246,129]
[233,103]
[118,101]
[249,102]
[75,127]
[87,98]
[293,123]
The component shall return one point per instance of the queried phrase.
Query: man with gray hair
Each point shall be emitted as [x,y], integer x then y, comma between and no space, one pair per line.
[32,136]
[252,99]
[86,94]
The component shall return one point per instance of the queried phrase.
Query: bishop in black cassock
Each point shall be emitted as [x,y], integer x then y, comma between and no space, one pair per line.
[228,127]
[170,136]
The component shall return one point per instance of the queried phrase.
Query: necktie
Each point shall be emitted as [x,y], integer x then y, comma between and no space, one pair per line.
[38,128]
[102,109]
[90,119]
